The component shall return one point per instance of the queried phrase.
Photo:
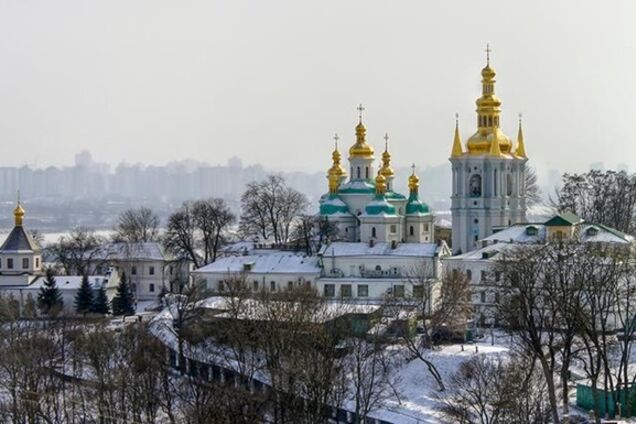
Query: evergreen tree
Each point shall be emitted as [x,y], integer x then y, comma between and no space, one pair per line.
[50,298]
[100,304]
[123,301]
[84,297]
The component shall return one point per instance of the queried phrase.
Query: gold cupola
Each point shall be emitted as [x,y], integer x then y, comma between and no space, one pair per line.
[386,169]
[18,214]
[488,115]
[380,184]
[361,149]
[414,182]
[336,168]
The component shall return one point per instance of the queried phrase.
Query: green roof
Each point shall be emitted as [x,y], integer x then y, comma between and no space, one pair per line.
[379,206]
[393,195]
[415,206]
[333,205]
[566,219]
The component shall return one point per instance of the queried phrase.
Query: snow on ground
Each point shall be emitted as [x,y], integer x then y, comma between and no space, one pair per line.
[417,388]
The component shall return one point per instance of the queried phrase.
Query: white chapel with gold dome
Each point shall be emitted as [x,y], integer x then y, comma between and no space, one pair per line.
[488,187]
[364,204]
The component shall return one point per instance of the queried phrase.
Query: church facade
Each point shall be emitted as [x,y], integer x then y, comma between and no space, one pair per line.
[364,204]
[488,187]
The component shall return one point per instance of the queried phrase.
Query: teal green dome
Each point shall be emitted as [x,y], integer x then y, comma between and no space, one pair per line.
[332,205]
[357,187]
[394,195]
[379,206]
[415,206]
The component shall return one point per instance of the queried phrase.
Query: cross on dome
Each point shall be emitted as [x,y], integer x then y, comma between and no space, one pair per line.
[336,138]
[488,50]
[360,109]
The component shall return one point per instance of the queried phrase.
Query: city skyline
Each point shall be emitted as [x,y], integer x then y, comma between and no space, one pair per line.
[217,80]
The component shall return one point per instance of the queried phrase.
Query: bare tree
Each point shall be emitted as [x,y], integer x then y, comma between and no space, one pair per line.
[137,225]
[602,197]
[199,225]
[78,250]
[212,218]
[533,192]
[269,207]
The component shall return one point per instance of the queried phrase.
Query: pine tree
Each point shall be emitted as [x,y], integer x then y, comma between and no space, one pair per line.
[49,297]
[84,297]
[100,304]
[123,301]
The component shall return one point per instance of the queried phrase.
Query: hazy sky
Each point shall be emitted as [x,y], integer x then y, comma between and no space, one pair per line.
[271,81]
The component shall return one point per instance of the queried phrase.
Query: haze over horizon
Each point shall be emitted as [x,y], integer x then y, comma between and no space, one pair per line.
[270,82]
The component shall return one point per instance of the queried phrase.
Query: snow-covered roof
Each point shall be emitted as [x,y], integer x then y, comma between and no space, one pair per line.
[147,251]
[279,263]
[536,233]
[255,309]
[379,249]
[71,282]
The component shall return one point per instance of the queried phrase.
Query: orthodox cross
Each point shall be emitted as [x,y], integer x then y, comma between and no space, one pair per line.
[386,141]
[336,138]
[488,50]
[360,110]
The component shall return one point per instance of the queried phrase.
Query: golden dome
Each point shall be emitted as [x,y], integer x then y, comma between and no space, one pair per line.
[380,184]
[488,114]
[18,213]
[361,149]
[336,168]
[386,169]
[414,182]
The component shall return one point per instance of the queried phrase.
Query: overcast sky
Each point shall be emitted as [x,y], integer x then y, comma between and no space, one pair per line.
[271,81]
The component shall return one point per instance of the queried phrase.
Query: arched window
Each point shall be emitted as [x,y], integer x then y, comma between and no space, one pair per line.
[411,230]
[358,172]
[474,187]
[366,172]
[495,182]
[372,231]
[509,184]
[378,268]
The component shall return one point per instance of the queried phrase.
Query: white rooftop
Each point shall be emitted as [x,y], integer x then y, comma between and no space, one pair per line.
[379,249]
[266,263]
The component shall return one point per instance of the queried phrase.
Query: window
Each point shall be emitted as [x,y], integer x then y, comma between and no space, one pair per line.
[345,290]
[25,263]
[151,270]
[10,263]
[474,185]
[398,290]
[483,276]
[37,262]
[411,230]
[255,285]
[290,285]
[0,263]
[372,231]
[483,297]
[133,270]
[358,172]
[363,290]
[378,268]
[418,291]
[152,288]
[508,184]
[469,274]
[366,172]
[329,290]
[272,285]
[393,228]
[221,285]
